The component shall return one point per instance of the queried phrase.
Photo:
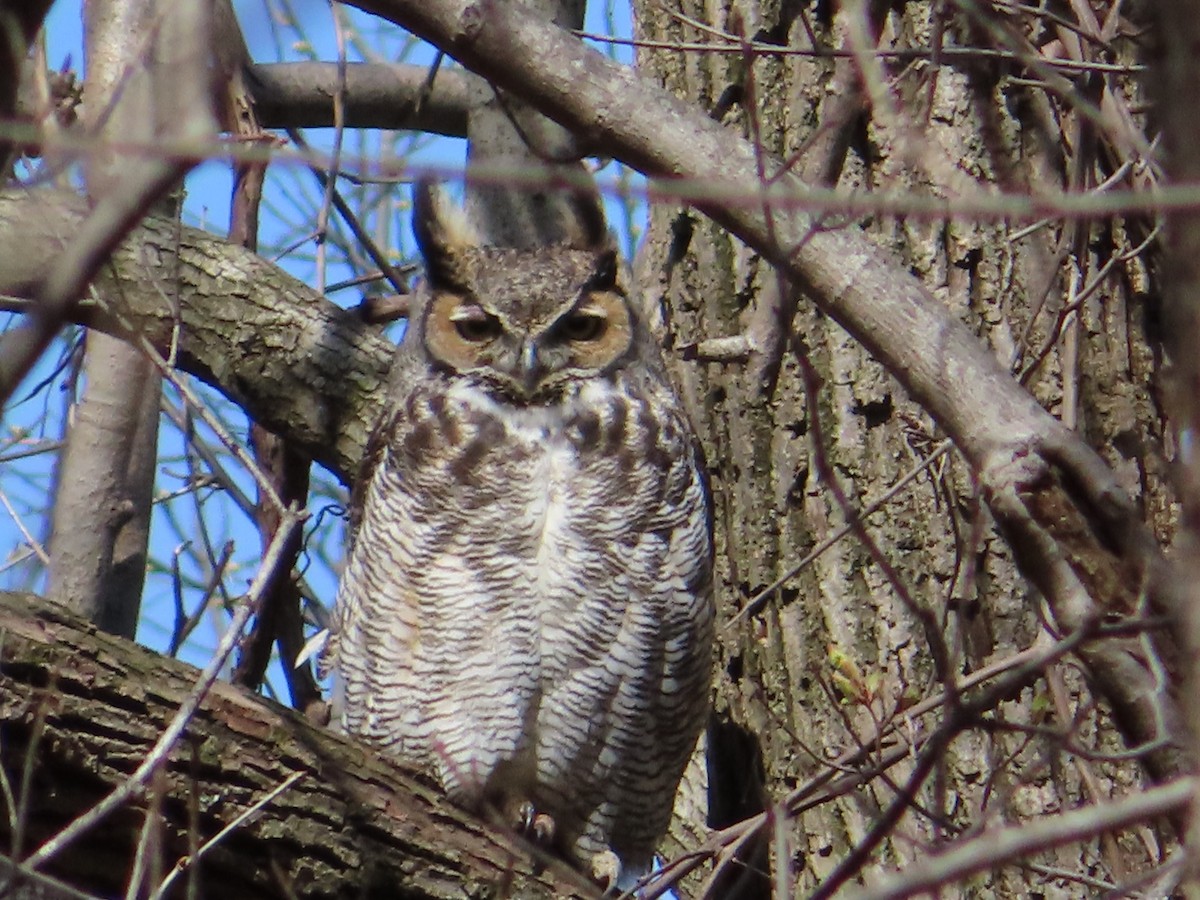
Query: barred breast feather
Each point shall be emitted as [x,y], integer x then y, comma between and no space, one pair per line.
[527,607]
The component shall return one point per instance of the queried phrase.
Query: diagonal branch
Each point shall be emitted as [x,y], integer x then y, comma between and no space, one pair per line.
[1077,534]
[1000,846]
[294,361]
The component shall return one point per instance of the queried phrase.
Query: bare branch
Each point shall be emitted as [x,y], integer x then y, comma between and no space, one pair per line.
[999,846]
[377,95]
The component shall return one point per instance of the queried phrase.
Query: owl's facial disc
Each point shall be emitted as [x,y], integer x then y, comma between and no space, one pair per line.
[529,361]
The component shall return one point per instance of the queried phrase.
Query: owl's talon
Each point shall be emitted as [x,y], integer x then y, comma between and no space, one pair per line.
[606,869]
[543,829]
[523,816]
[537,826]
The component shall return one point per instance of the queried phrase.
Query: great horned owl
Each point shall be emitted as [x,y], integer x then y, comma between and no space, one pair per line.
[527,606]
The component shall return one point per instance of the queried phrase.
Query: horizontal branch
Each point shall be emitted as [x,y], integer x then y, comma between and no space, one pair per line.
[376,95]
[83,709]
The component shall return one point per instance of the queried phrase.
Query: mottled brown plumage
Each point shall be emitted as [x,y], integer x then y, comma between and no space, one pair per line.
[527,607]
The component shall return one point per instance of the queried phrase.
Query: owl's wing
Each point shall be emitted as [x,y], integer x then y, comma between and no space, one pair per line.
[374,453]
[683,591]
[348,588]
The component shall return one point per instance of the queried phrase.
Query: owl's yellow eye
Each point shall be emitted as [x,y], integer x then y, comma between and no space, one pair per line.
[475,324]
[582,326]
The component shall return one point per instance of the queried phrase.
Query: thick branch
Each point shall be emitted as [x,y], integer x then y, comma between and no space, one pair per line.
[299,365]
[86,707]
[377,95]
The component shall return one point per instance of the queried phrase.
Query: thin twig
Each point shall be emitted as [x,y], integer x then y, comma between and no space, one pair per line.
[188,861]
[754,604]
[33,543]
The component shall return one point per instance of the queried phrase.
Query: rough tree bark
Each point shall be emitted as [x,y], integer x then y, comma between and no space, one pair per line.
[811,669]
[81,709]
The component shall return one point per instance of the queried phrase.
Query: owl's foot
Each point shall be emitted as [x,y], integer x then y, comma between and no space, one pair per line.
[537,826]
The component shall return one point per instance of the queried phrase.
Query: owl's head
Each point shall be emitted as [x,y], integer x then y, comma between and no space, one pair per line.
[524,323]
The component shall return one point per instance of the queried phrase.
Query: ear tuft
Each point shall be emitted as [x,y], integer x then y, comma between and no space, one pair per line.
[592,223]
[443,234]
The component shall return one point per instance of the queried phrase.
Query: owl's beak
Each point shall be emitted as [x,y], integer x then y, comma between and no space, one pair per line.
[529,372]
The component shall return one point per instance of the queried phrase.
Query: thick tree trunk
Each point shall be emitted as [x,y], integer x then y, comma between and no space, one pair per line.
[840,650]
[80,710]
